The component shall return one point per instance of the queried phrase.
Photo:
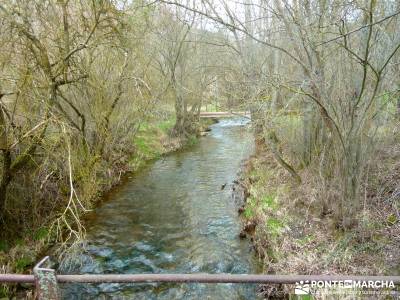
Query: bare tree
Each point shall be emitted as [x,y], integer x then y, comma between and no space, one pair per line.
[340,90]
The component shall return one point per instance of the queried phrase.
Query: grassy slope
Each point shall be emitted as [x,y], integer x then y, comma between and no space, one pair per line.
[153,140]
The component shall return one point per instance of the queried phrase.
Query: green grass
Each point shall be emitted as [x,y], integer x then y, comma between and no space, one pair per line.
[22,263]
[269,202]
[274,226]
[148,141]
[166,126]
[288,120]
[143,145]
[248,212]
[306,239]
[41,234]
[251,208]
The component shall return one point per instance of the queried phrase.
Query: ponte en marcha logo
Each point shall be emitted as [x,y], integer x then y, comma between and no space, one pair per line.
[309,286]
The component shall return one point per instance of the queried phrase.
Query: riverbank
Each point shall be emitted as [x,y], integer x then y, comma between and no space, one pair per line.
[291,236]
[151,141]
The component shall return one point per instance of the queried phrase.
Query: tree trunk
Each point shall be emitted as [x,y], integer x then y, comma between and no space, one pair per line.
[307,134]
[5,181]
[275,93]
[6,175]
[273,142]
[179,128]
[398,107]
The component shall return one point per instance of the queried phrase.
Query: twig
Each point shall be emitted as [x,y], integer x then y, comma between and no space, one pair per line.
[359,28]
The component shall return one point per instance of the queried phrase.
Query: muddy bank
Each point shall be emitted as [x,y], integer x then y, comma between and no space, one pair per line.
[240,193]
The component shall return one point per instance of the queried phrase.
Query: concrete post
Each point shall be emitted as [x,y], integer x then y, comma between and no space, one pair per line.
[46,281]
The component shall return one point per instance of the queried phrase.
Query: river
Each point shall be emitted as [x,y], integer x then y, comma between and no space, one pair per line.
[176,215]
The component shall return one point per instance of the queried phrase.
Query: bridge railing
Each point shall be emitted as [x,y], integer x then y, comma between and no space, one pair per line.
[46,280]
[219,114]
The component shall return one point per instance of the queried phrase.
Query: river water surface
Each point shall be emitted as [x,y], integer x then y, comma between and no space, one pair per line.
[173,216]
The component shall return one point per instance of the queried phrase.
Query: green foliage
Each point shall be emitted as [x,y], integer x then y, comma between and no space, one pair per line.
[23,262]
[41,234]
[4,291]
[212,107]
[19,242]
[4,246]
[191,141]
[392,219]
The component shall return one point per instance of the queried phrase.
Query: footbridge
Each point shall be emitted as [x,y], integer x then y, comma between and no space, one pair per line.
[224,114]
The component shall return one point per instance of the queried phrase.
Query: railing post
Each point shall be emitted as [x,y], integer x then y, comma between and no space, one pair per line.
[46,281]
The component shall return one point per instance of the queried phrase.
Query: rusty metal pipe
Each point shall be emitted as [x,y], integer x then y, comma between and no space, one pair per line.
[199,278]
[9,278]
[215,278]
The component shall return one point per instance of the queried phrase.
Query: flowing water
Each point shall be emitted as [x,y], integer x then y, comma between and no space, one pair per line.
[174,217]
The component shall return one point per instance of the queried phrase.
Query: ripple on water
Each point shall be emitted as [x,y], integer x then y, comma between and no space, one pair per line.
[173,217]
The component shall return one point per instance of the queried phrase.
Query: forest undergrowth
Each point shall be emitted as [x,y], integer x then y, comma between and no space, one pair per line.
[292,234]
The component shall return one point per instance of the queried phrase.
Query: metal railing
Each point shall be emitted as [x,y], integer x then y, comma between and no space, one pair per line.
[46,280]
